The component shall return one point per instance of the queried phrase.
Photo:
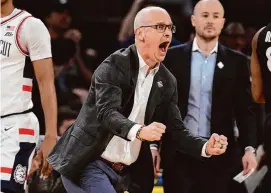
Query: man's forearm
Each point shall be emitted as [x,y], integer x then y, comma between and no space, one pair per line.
[49,105]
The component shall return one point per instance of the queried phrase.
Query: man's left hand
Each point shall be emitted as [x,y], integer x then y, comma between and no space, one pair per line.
[249,162]
[156,160]
[45,148]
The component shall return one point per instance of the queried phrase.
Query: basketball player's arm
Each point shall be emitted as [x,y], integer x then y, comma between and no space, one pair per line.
[37,41]
[257,84]
[45,78]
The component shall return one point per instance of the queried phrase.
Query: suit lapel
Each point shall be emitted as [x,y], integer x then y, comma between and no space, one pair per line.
[157,89]
[134,66]
[217,80]
[186,70]
[219,70]
[157,86]
[133,74]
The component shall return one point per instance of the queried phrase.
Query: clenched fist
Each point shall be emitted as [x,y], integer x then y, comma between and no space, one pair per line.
[216,145]
[152,132]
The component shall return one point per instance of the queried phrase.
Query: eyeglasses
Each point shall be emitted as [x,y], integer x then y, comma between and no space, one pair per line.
[161,28]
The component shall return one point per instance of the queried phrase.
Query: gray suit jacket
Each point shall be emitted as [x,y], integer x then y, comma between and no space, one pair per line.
[105,113]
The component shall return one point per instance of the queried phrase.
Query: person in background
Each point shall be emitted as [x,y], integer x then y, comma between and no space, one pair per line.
[213,92]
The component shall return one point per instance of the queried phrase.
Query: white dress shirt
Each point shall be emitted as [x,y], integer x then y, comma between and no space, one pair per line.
[118,149]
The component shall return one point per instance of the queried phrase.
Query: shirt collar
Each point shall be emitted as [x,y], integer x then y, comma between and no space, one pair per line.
[143,65]
[15,10]
[195,47]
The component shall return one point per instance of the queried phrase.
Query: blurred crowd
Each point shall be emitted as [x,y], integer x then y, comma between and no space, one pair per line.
[79,44]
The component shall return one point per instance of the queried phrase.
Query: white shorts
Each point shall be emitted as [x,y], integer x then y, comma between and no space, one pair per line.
[19,137]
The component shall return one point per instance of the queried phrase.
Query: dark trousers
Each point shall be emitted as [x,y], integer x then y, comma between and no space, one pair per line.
[188,175]
[70,186]
[98,177]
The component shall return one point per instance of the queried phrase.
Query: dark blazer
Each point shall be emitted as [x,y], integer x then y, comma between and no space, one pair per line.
[231,97]
[105,112]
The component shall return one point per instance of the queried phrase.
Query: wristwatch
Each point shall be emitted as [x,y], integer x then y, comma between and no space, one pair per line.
[138,134]
[251,149]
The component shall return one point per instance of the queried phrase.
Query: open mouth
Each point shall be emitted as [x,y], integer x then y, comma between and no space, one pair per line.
[163,46]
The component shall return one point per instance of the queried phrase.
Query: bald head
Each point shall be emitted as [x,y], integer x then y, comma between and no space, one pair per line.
[208,19]
[210,5]
[153,33]
[147,15]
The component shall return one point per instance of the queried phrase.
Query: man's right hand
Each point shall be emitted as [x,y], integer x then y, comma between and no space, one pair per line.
[152,132]
[216,145]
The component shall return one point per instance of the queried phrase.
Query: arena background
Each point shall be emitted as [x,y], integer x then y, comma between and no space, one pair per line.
[99,20]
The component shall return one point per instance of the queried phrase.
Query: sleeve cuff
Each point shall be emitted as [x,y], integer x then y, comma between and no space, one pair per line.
[154,146]
[133,131]
[250,148]
[203,151]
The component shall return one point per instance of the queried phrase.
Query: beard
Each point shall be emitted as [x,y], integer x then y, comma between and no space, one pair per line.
[207,38]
